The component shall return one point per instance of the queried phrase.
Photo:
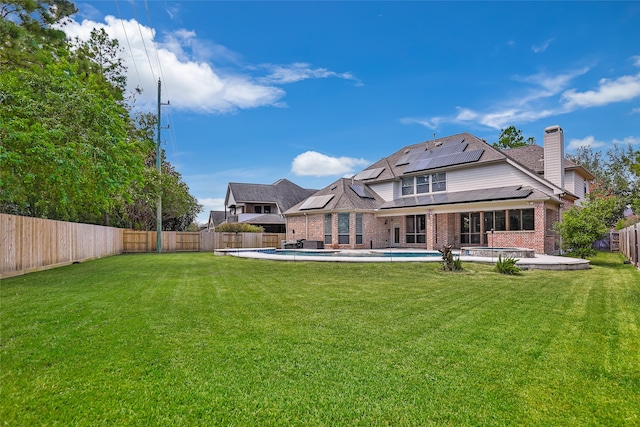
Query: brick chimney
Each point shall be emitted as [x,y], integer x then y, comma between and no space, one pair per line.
[554,155]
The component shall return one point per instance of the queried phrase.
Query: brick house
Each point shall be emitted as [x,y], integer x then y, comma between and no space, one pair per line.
[456,190]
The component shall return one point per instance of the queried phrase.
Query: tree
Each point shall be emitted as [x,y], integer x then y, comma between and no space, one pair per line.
[512,138]
[65,152]
[179,207]
[101,55]
[582,225]
[617,174]
[26,30]
[70,149]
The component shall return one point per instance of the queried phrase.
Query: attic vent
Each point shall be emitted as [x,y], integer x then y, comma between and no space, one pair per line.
[439,143]
[407,151]
[334,187]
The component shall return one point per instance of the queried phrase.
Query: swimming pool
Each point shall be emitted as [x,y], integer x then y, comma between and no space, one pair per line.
[351,253]
[339,255]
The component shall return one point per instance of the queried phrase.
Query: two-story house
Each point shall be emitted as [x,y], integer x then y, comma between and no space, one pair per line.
[457,190]
[260,204]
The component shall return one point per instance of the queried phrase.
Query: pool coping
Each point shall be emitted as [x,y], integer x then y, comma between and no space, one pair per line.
[539,262]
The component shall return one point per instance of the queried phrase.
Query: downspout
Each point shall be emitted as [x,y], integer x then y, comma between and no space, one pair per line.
[306,226]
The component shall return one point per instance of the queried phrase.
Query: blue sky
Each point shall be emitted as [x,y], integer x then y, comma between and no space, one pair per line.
[312,91]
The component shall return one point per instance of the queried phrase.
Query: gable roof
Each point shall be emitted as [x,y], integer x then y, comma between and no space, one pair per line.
[429,156]
[532,157]
[216,218]
[343,194]
[283,192]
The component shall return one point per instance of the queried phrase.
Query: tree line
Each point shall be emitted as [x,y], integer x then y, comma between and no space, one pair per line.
[71,147]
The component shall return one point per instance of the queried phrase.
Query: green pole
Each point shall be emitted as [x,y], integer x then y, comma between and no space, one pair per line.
[159,166]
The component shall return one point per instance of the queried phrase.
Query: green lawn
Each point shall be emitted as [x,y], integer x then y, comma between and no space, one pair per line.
[194,339]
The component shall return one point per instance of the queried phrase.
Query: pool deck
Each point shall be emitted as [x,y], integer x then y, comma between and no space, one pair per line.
[539,262]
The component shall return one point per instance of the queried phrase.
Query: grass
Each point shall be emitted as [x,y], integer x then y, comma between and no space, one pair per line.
[193,339]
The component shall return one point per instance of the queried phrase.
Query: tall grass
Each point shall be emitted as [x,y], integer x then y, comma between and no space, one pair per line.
[193,339]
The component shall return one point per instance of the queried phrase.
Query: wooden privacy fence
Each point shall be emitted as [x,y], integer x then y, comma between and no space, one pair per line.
[629,241]
[177,241]
[32,244]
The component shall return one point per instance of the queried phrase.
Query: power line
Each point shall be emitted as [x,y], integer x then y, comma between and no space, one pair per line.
[135,65]
[135,14]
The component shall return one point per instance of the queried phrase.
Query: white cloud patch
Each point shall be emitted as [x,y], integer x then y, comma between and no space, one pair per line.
[609,91]
[282,74]
[312,163]
[541,48]
[589,141]
[189,81]
[544,95]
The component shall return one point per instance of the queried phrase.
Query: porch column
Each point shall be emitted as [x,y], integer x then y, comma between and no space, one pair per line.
[431,230]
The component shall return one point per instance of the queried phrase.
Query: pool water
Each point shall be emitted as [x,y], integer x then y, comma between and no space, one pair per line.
[350,254]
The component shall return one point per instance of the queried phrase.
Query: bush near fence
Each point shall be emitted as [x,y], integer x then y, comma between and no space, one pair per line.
[32,244]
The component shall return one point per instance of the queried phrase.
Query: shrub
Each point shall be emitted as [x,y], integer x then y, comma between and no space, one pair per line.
[507,265]
[239,227]
[448,263]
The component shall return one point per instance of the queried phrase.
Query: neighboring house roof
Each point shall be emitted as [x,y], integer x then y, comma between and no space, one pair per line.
[283,192]
[344,194]
[264,219]
[216,218]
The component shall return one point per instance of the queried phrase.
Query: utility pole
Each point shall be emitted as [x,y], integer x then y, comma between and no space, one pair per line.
[159,166]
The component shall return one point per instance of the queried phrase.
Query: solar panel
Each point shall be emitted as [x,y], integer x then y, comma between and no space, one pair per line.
[447,160]
[445,149]
[368,174]
[316,202]
[362,191]
[411,155]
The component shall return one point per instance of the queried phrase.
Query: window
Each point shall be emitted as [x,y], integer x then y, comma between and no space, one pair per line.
[521,219]
[407,186]
[416,228]
[257,209]
[470,228]
[358,228]
[439,182]
[327,228]
[343,228]
[495,220]
[267,209]
[422,184]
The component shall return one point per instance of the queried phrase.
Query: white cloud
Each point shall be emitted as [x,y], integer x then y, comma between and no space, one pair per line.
[312,163]
[542,47]
[291,73]
[589,141]
[189,81]
[635,110]
[629,140]
[609,91]
[546,95]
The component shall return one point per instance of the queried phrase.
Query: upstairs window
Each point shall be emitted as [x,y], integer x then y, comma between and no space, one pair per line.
[439,182]
[407,186]
[422,184]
